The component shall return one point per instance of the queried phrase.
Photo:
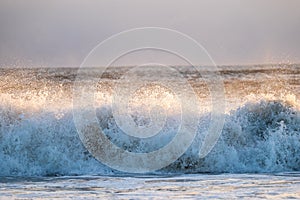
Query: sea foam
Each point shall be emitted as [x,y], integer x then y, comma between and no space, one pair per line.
[257,137]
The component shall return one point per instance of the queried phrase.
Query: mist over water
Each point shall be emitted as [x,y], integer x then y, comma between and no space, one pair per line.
[150,126]
[61,33]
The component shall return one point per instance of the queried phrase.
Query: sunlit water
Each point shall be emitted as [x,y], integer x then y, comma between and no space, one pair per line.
[222,186]
[257,155]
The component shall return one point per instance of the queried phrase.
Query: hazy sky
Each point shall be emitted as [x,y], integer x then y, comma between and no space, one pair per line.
[62,32]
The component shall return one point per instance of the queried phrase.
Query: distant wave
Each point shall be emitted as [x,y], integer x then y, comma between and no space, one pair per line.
[257,137]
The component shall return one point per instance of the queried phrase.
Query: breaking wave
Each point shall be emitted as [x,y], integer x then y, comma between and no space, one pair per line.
[257,137]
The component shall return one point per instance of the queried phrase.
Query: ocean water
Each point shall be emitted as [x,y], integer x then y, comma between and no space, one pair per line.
[257,154]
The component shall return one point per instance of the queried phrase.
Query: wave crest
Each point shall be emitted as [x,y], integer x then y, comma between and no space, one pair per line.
[257,137]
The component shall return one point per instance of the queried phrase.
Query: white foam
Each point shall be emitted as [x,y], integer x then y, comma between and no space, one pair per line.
[258,137]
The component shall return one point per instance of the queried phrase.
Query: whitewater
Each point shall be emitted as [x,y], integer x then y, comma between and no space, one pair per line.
[257,154]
